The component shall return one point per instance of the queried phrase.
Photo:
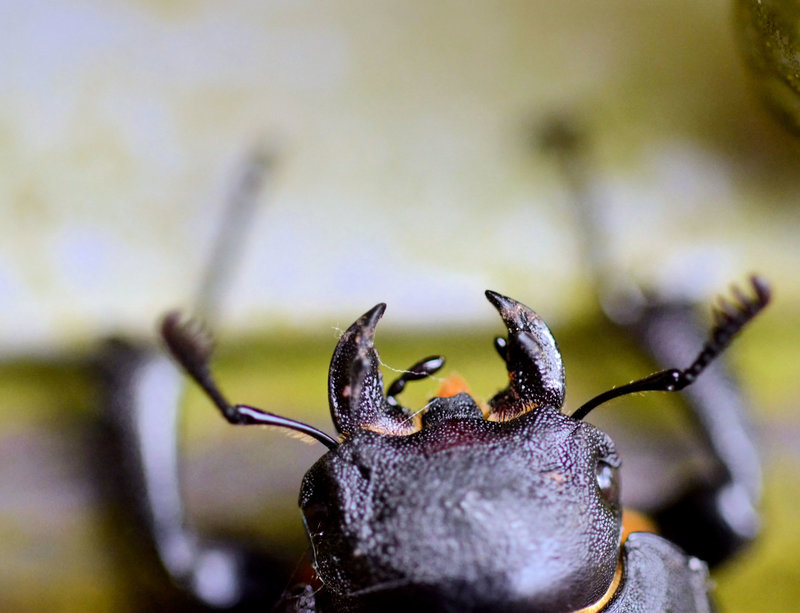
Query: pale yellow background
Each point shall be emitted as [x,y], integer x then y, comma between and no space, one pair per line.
[405,169]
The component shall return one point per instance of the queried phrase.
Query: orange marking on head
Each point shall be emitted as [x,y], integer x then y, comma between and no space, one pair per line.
[633,521]
[453,384]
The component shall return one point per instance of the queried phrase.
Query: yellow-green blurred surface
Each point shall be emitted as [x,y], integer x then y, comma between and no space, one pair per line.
[61,553]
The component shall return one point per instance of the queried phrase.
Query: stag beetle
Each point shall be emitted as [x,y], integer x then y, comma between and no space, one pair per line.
[510,506]
[460,506]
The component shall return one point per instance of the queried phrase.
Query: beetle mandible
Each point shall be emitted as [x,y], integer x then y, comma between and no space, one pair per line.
[513,506]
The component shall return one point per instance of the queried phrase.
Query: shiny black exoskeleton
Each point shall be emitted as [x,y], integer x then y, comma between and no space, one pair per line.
[510,507]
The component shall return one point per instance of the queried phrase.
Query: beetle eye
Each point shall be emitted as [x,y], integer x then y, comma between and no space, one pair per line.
[608,481]
[316,516]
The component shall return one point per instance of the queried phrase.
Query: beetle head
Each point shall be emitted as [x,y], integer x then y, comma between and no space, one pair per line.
[519,510]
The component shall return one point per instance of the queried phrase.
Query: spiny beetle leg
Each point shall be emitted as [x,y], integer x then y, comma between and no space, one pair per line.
[141,408]
[715,517]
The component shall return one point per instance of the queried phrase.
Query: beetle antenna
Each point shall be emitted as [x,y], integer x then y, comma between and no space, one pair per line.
[191,345]
[421,370]
[729,319]
[500,346]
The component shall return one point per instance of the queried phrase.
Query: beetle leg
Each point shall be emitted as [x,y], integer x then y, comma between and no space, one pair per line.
[143,390]
[714,518]
[535,369]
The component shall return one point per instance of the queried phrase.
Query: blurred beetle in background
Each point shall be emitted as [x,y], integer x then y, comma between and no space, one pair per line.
[769,35]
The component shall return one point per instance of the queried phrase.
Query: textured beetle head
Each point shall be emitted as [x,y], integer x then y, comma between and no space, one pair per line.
[460,512]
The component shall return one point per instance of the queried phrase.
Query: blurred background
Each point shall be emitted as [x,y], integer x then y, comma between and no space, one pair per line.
[406,170]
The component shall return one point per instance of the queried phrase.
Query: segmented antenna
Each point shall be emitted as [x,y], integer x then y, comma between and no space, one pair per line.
[729,319]
[501,347]
[421,370]
[192,346]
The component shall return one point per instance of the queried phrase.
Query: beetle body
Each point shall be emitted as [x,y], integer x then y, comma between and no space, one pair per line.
[517,512]
[475,513]
[513,506]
